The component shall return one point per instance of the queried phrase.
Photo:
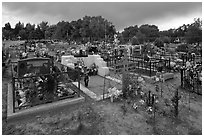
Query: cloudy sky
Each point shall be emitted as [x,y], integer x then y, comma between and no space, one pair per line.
[121,14]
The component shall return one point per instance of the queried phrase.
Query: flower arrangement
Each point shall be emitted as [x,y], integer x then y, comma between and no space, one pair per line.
[114,93]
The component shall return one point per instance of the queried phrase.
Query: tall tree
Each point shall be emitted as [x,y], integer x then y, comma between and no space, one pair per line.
[7,26]
[19,26]
[50,31]
[38,33]
[22,34]
[194,32]
[151,32]
[30,31]
[43,26]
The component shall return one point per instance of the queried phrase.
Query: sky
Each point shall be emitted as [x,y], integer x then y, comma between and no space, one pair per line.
[165,15]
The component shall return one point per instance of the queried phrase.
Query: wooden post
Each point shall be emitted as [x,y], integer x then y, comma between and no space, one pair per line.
[124,75]
[78,81]
[183,59]
[149,98]
[182,77]
[13,92]
[104,86]
[176,103]
[150,73]
[169,62]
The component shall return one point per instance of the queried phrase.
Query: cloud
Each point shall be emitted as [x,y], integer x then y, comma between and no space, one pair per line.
[121,14]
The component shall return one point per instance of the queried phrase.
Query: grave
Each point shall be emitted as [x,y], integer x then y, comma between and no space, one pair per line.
[88,62]
[32,91]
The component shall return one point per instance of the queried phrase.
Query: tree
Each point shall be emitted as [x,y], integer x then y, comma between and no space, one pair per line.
[159,42]
[30,31]
[38,33]
[19,26]
[194,32]
[141,37]
[135,41]
[151,32]
[166,39]
[7,31]
[60,31]
[43,26]
[22,34]
[7,26]
[50,31]
[129,33]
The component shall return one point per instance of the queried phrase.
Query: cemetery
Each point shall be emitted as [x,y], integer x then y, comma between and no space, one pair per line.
[41,83]
[85,78]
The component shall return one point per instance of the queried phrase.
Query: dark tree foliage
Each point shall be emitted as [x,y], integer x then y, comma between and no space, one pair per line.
[150,31]
[88,28]
[159,42]
[194,32]
[96,28]
[135,41]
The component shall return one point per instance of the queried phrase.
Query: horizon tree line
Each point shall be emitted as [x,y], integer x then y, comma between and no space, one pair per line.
[97,28]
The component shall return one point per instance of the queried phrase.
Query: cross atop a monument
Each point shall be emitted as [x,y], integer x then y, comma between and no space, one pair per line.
[19,37]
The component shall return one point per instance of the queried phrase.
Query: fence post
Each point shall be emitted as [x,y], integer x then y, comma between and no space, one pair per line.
[169,62]
[104,84]
[13,92]
[78,82]
[150,68]
[183,59]
[182,76]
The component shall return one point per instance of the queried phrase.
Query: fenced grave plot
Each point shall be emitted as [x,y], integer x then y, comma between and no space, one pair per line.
[36,90]
[191,80]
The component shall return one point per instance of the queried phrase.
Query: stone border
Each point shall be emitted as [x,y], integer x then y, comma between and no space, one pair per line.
[37,109]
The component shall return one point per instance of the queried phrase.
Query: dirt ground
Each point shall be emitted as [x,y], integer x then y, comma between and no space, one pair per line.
[106,118]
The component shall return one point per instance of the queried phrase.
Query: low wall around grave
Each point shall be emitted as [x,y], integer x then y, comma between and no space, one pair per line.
[36,109]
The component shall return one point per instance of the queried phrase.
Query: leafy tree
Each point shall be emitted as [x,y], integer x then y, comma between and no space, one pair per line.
[129,33]
[8,27]
[38,33]
[194,32]
[141,37]
[166,39]
[19,26]
[30,31]
[22,34]
[43,26]
[7,32]
[60,31]
[151,32]
[159,42]
[135,41]
[49,33]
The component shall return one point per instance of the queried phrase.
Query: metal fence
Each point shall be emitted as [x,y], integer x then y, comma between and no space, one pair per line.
[30,90]
[190,80]
[139,65]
